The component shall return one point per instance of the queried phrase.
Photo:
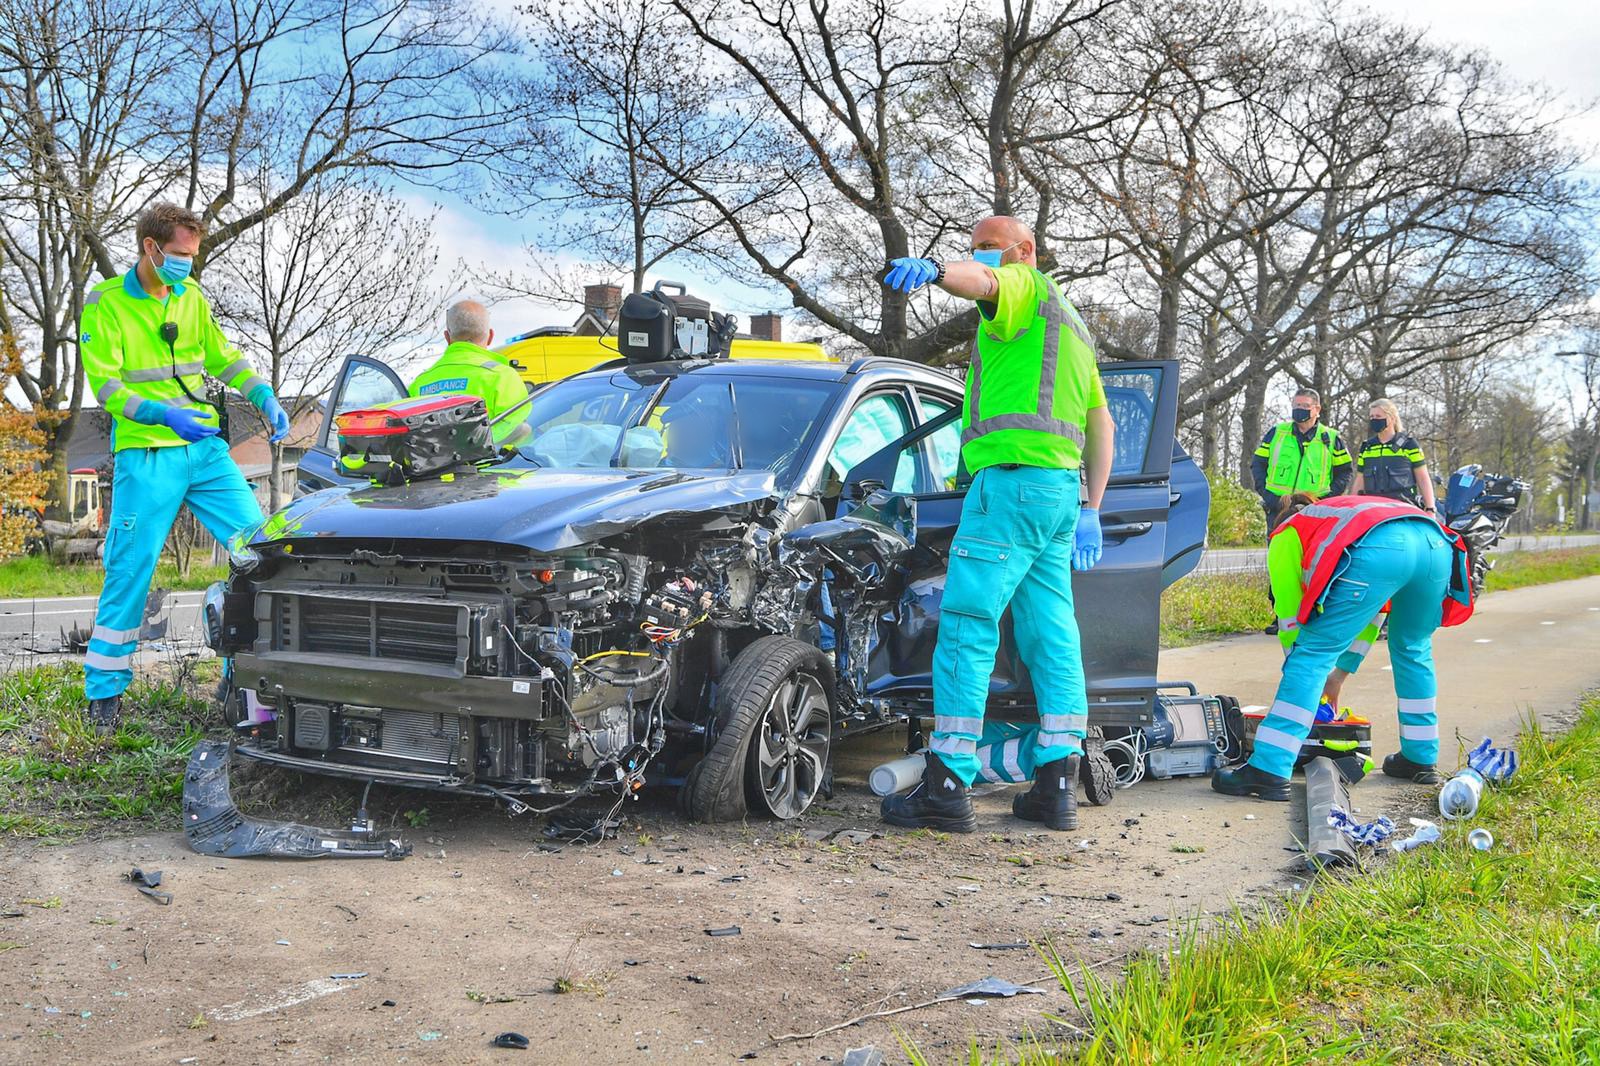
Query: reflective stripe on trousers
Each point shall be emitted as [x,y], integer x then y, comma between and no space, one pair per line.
[1013,547]
[149,486]
[1406,564]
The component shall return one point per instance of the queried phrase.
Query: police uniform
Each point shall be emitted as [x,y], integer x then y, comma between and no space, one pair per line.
[467,369]
[135,374]
[1287,462]
[1031,384]
[1389,469]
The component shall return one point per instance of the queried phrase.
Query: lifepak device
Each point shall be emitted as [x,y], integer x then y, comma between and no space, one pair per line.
[1187,736]
[659,325]
[416,438]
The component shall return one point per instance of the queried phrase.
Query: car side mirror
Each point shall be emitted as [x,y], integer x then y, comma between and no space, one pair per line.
[856,491]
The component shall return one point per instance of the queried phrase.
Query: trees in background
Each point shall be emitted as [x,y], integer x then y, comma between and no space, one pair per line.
[341,269]
[109,106]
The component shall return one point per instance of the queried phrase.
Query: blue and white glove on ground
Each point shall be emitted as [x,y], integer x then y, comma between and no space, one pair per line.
[1087,543]
[1495,764]
[910,274]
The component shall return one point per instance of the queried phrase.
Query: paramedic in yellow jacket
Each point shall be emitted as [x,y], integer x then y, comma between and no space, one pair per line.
[469,368]
[145,339]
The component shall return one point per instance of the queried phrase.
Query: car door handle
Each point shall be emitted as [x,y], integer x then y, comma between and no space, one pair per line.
[1126,529]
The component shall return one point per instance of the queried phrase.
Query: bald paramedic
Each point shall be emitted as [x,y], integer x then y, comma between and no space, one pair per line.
[1035,434]
[469,368]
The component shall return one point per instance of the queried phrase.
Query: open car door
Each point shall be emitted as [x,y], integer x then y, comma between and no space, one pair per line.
[1118,602]
[362,382]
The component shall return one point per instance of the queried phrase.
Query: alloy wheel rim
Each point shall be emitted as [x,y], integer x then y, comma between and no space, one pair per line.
[792,745]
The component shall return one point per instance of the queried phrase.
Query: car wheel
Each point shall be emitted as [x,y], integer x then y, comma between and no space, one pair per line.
[774,725]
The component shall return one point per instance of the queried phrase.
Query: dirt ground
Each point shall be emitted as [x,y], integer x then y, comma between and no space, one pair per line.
[239,969]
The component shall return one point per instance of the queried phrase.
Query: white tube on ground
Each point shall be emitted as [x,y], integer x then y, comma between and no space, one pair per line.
[897,775]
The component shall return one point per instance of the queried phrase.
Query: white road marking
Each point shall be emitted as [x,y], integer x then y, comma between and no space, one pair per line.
[1547,623]
[1484,640]
[284,998]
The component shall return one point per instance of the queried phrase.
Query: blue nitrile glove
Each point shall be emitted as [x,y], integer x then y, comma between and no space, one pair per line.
[187,424]
[910,273]
[1086,542]
[262,397]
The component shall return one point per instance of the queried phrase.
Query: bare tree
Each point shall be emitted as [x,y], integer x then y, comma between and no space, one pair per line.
[84,151]
[615,76]
[342,268]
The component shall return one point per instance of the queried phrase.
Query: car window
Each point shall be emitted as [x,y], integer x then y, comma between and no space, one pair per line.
[876,421]
[684,422]
[945,444]
[1131,398]
[364,385]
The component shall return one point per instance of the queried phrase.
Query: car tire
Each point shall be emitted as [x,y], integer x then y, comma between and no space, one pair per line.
[750,765]
[1095,772]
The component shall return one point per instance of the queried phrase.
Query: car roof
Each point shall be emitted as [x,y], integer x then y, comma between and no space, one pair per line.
[873,368]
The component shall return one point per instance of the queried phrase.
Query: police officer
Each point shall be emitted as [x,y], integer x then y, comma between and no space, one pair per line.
[1035,415]
[469,368]
[1301,455]
[145,339]
[1391,463]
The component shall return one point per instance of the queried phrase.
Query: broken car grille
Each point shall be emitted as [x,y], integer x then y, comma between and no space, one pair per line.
[414,735]
[375,628]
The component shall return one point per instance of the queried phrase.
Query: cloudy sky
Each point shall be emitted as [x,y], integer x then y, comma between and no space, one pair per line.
[1556,42]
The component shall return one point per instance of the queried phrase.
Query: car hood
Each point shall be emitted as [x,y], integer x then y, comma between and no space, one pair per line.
[542,510]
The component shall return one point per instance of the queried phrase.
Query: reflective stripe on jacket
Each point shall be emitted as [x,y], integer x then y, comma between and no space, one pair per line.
[1296,466]
[127,362]
[467,369]
[1033,377]
[1327,527]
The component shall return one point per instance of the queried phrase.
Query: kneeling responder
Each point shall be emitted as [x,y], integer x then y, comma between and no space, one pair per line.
[145,338]
[1035,412]
[1333,563]
[469,368]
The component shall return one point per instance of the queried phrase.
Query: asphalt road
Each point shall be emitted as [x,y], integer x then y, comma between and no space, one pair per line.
[1242,560]
[33,626]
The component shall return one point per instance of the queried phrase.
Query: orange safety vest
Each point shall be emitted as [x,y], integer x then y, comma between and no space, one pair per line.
[1329,526]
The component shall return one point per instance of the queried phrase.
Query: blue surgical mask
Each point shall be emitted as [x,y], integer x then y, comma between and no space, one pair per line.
[991,257]
[173,268]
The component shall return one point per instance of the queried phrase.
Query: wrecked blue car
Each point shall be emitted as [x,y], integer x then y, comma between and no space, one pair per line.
[694,573]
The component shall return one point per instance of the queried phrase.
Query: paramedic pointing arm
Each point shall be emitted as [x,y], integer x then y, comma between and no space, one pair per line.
[1033,423]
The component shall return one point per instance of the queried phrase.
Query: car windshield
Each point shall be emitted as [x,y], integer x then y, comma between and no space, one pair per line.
[687,421]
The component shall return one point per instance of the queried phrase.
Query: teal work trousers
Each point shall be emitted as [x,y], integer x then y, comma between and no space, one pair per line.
[148,488]
[1405,562]
[1013,548]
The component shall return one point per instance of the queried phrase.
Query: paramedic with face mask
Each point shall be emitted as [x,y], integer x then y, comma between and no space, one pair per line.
[145,338]
[1034,429]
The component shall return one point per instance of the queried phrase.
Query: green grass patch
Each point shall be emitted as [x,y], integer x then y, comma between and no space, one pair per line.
[1204,607]
[1443,955]
[61,780]
[1515,570]
[35,575]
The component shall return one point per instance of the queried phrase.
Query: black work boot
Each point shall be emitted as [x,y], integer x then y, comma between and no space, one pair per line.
[1053,799]
[1398,765]
[1246,780]
[939,801]
[105,714]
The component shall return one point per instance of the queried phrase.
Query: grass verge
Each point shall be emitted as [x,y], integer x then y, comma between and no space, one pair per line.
[1515,570]
[1445,954]
[61,780]
[1204,607]
[34,575]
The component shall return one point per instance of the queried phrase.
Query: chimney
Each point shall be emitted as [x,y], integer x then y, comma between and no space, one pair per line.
[602,301]
[767,327]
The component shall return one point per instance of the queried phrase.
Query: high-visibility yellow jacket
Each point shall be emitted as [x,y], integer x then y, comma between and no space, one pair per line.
[467,369]
[127,362]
